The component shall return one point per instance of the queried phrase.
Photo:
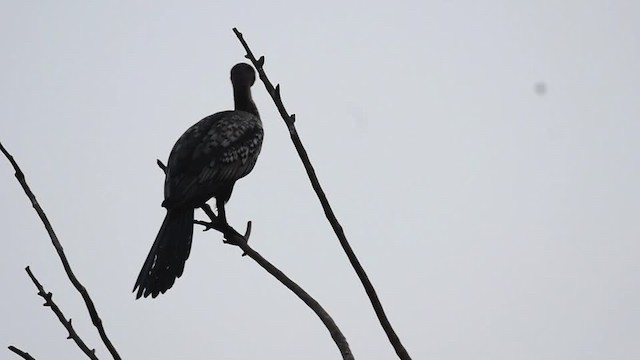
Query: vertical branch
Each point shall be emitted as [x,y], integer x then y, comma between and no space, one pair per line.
[93,313]
[337,228]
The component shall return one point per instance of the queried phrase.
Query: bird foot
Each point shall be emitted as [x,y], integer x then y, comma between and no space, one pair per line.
[208,225]
[231,236]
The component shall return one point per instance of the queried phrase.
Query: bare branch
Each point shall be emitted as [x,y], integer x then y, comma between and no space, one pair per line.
[48,301]
[233,237]
[22,354]
[337,228]
[95,319]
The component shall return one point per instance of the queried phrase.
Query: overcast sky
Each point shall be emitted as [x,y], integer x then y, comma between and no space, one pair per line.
[482,156]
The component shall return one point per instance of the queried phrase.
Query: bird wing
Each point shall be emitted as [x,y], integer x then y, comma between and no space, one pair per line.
[216,151]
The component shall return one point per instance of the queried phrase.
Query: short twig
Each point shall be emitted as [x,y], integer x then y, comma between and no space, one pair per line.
[337,228]
[232,237]
[48,301]
[22,354]
[93,313]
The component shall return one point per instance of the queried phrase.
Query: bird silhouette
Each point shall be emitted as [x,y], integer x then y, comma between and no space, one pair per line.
[204,163]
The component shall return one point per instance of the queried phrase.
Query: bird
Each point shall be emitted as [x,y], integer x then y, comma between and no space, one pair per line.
[204,163]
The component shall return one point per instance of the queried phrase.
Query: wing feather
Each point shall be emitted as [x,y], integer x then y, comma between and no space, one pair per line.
[215,152]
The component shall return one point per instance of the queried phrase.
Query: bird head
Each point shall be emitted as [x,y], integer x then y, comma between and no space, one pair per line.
[243,75]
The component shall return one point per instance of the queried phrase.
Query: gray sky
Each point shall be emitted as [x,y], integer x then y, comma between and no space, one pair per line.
[495,222]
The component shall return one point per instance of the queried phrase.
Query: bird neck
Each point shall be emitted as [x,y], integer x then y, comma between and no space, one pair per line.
[243,100]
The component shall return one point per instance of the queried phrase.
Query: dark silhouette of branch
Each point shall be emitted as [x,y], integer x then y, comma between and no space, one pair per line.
[48,301]
[22,354]
[233,237]
[337,228]
[93,313]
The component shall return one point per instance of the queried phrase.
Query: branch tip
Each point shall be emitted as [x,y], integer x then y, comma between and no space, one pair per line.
[22,354]
[277,93]
[162,166]
[48,297]
[247,233]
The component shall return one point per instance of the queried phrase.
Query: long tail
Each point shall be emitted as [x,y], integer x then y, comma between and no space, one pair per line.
[168,254]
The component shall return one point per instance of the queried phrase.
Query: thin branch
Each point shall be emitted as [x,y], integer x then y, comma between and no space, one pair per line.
[22,354]
[233,237]
[48,301]
[95,319]
[337,228]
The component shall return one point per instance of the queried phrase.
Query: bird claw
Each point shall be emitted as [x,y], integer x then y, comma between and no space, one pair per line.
[231,236]
[207,225]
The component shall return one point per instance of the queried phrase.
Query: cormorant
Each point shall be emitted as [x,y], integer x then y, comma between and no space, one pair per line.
[205,163]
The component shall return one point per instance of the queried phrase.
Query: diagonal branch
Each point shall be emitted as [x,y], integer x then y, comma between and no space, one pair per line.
[22,354]
[48,301]
[93,313]
[337,228]
[233,237]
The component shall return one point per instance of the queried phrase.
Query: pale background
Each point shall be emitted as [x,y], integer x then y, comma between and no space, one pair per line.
[496,222]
